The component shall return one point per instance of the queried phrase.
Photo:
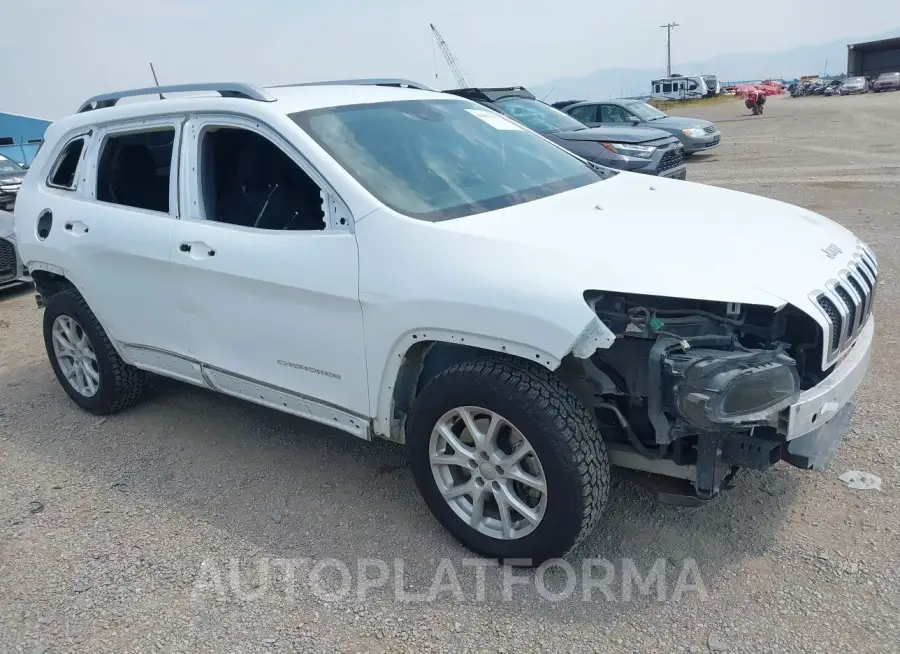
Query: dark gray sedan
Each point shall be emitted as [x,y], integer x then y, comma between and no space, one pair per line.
[887,82]
[695,134]
[649,151]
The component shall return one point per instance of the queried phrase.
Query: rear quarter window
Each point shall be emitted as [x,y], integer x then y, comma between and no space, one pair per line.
[63,173]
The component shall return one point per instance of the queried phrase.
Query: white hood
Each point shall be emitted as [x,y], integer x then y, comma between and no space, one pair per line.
[671,238]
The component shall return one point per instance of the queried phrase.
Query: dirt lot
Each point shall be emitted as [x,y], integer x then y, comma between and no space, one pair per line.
[104,523]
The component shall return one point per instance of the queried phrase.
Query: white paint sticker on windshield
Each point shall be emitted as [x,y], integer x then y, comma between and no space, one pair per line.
[495,120]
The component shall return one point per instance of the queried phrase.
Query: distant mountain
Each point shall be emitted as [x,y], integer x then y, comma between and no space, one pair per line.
[618,82]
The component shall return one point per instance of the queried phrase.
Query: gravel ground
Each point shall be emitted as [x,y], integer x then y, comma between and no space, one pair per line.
[114,533]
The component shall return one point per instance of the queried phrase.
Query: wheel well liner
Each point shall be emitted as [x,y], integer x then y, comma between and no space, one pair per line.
[426,358]
[49,284]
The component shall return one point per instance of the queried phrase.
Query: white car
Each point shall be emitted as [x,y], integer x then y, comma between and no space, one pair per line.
[404,264]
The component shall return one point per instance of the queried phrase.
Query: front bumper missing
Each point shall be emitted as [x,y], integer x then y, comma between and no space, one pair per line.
[807,437]
[721,456]
[820,404]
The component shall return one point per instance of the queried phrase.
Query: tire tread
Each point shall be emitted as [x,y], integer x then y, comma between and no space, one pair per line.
[127,382]
[574,425]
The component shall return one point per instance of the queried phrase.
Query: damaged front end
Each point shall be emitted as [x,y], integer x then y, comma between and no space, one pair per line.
[693,391]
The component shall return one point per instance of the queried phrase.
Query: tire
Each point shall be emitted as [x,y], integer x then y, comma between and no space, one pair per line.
[118,385]
[565,441]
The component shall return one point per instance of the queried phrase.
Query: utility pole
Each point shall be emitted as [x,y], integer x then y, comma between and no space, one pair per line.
[668,27]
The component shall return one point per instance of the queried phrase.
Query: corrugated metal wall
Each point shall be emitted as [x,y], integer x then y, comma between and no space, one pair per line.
[15,134]
[871,59]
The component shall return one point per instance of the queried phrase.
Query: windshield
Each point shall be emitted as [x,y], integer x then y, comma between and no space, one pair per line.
[888,75]
[8,166]
[442,159]
[855,80]
[540,117]
[645,111]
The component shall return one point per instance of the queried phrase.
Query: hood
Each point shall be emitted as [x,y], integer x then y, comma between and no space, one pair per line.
[614,134]
[668,238]
[676,122]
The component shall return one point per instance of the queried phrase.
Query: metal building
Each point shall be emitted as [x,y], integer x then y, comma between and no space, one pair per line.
[872,58]
[20,136]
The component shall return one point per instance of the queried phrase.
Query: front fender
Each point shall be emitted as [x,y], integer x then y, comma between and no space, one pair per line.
[532,339]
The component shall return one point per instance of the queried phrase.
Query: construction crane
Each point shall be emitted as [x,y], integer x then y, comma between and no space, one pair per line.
[451,60]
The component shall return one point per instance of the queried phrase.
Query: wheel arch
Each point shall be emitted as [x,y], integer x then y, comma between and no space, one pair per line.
[422,354]
[50,280]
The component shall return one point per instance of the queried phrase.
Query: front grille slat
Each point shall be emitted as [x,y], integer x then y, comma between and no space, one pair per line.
[862,291]
[834,316]
[847,303]
[852,305]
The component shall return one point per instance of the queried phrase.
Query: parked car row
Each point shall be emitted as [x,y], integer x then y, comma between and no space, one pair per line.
[648,151]
[849,86]
[696,135]
[629,135]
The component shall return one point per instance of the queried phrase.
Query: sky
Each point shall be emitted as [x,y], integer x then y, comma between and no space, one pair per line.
[56,53]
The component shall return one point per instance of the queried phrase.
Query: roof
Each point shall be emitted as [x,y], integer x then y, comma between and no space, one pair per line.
[883,44]
[290,99]
[280,100]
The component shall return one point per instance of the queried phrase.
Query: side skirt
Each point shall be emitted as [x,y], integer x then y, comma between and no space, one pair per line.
[175,366]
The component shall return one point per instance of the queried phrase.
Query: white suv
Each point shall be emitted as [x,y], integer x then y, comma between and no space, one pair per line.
[404,264]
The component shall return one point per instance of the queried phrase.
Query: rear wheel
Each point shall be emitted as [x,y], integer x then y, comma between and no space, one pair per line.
[508,460]
[85,362]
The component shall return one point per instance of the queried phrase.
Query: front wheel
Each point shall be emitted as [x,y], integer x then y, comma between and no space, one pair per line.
[508,460]
[83,358]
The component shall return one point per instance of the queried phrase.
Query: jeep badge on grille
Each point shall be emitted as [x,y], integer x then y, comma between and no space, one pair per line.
[832,251]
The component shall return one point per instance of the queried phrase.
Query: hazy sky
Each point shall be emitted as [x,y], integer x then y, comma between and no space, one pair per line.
[55,53]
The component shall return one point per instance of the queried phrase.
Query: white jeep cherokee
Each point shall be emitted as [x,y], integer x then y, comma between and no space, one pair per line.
[403,264]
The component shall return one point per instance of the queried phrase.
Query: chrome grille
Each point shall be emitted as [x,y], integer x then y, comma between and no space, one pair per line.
[7,260]
[846,303]
[710,129]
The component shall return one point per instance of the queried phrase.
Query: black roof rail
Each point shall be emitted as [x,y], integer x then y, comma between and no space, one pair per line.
[562,104]
[492,94]
[375,81]
[225,89]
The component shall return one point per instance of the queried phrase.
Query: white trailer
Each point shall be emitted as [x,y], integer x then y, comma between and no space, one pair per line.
[679,87]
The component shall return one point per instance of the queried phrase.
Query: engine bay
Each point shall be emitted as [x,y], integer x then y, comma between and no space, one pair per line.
[698,383]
